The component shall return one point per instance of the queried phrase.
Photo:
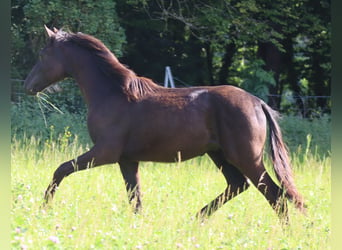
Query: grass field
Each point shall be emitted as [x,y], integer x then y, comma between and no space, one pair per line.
[90,209]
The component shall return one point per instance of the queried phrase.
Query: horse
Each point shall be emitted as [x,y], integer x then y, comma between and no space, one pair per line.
[132,119]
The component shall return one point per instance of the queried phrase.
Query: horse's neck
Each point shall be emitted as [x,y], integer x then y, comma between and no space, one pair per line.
[93,82]
[96,87]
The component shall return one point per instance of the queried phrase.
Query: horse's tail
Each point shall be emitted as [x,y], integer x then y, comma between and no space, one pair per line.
[280,158]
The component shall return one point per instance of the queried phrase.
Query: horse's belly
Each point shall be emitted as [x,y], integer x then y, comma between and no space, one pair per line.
[172,137]
[158,155]
[172,150]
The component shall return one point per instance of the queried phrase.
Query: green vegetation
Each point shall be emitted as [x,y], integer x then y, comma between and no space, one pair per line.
[272,48]
[29,16]
[43,119]
[90,210]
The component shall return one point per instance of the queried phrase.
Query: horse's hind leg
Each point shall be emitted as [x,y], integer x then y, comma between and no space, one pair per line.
[256,172]
[236,184]
[130,173]
[272,192]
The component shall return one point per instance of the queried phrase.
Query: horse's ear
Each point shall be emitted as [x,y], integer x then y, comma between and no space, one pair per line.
[49,32]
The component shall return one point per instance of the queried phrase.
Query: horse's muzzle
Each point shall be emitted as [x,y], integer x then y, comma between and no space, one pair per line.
[30,91]
[29,88]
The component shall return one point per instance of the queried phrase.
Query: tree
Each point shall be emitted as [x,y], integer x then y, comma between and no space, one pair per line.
[28,17]
[292,39]
[267,47]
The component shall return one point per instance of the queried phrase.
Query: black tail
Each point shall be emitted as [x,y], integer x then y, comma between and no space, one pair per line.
[280,158]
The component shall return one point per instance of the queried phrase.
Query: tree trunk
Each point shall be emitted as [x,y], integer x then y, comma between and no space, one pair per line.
[210,63]
[227,62]
[272,57]
[292,76]
[318,82]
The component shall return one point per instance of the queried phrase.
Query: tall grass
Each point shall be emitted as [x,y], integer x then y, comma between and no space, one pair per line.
[90,209]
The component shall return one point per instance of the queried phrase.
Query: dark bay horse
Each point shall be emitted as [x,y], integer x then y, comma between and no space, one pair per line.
[132,119]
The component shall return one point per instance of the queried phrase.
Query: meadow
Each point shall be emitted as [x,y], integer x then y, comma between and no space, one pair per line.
[90,209]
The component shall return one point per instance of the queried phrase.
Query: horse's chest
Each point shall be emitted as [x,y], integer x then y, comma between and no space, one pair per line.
[104,126]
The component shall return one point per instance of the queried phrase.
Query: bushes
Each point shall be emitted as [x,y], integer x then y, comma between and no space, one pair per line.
[41,120]
[28,119]
[302,133]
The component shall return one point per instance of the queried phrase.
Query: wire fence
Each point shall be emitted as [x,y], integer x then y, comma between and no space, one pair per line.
[305,106]
[17,90]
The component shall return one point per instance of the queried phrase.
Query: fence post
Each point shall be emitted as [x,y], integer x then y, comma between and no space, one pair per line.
[168,78]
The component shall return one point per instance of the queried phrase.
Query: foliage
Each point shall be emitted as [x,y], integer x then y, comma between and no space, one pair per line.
[297,130]
[32,118]
[256,79]
[292,38]
[203,42]
[90,210]
[28,35]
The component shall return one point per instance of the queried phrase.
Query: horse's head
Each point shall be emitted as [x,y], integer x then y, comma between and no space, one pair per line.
[50,67]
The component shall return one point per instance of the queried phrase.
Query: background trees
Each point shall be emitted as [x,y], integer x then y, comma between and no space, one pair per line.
[271,48]
[28,17]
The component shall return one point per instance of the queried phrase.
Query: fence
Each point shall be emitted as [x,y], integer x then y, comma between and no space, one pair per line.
[306,106]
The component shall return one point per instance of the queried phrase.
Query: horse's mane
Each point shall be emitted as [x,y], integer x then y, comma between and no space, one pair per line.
[132,86]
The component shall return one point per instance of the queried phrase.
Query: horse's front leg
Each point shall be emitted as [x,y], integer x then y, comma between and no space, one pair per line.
[130,173]
[97,156]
